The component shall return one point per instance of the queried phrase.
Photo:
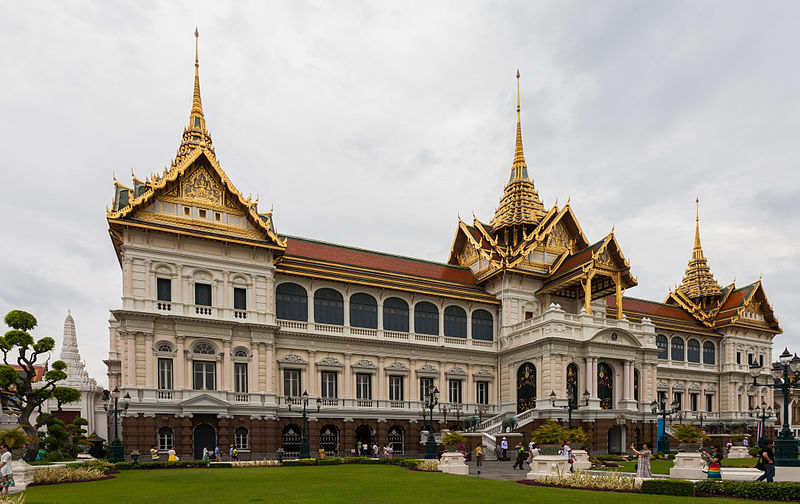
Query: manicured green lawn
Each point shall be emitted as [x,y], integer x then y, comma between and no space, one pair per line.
[663,466]
[328,484]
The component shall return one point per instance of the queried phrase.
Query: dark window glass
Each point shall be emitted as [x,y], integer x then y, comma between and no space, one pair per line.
[678,398]
[693,401]
[395,388]
[240,377]
[204,375]
[482,325]
[709,352]
[395,315]
[241,438]
[328,307]
[693,350]
[329,385]
[164,287]
[635,384]
[426,318]
[677,348]
[738,357]
[363,386]
[425,386]
[165,374]
[291,382]
[291,302]
[239,298]
[454,387]
[761,360]
[662,343]
[709,403]
[605,386]
[202,294]
[482,392]
[455,322]
[363,311]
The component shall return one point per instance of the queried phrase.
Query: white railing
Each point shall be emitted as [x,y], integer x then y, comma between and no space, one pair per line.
[426,337]
[241,397]
[456,341]
[395,335]
[293,324]
[337,329]
[164,394]
[360,331]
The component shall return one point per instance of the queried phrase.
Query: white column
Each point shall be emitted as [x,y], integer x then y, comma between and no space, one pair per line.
[312,374]
[149,361]
[179,281]
[254,368]
[413,385]
[469,394]
[226,301]
[269,366]
[148,280]
[180,365]
[227,373]
[380,314]
[346,309]
[310,306]
[626,386]
[130,349]
[347,377]
[382,394]
[444,396]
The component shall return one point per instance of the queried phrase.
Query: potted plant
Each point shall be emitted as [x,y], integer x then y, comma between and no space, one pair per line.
[690,437]
[578,437]
[453,441]
[549,436]
[737,438]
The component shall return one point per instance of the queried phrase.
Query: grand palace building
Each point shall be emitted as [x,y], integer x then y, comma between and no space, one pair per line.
[225,323]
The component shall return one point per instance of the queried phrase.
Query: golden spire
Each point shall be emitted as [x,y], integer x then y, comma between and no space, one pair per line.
[519,170]
[698,281]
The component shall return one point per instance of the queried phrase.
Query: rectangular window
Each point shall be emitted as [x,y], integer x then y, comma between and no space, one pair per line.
[291,382]
[240,377]
[165,374]
[202,294]
[395,388]
[482,392]
[425,386]
[329,385]
[749,359]
[662,399]
[678,398]
[202,213]
[187,211]
[693,401]
[454,387]
[709,403]
[239,298]
[363,386]
[205,375]
[751,403]
[164,288]
[761,360]
[738,357]
[217,216]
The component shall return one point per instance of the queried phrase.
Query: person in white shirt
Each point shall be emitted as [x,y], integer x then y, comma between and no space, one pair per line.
[534,452]
[504,447]
[566,451]
[6,474]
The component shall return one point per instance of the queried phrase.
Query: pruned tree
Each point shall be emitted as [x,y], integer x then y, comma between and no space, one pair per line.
[19,387]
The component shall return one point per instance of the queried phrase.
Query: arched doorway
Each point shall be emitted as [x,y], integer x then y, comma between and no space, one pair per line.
[396,438]
[526,387]
[204,435]
[329,440]
[290,441]
[572,383]
[616,440]
[605,386]
[364,435]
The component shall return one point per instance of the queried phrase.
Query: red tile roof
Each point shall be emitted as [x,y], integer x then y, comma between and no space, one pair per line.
[664,316]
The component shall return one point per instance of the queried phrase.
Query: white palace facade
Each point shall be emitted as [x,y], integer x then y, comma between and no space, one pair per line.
[224,322]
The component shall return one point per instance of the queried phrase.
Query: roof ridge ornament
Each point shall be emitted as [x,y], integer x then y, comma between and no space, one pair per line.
[699,282]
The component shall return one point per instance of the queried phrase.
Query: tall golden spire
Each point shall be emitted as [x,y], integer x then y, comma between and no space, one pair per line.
[698,282]
[520,206]
[195,134]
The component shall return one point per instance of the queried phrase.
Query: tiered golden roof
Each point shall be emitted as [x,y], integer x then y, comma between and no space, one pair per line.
[698,282]
[195,134]
[520,204]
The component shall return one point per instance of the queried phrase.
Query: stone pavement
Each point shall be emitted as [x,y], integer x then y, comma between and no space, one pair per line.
[499,470]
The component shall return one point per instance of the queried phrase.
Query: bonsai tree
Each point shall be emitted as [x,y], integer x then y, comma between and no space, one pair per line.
[78,440]
[689,434]
[17,385]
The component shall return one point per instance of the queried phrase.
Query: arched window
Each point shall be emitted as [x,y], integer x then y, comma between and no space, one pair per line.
[395,315]
[709,353]
[291,302]
[328,307]
[329,439]
[165,347]
[605,386]
[166,438]
[290,441]
[396,438]
[204,349]
[677,348]
[455,322]
[572,383]
[693,350]
[636,385]
[241,438]
[482,325]
[240,352]
[662,344]
[363,311]
[426,318]
[526,387]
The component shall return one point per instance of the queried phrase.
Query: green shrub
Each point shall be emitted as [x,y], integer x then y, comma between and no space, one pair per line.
[68,473]
[221,465]
[329,461]
[121,466]
[54,456]
[300,462]
[668,487]
[755,452]
[617,458]
[549,432]
[752,489]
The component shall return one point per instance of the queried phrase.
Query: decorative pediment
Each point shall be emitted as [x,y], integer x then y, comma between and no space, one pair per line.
[456,371]
[662,385]
[330,362]
[396,366]
[428,370]
[679,386]
[365,364]
[616,337]
[203,401]
[695,386]
[483,373]
[292,359]
[711,387]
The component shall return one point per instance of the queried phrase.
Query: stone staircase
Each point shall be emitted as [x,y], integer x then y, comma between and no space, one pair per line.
[494,425]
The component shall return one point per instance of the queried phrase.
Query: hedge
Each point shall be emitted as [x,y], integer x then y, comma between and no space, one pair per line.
[668,487]
[751,489]
[402,462]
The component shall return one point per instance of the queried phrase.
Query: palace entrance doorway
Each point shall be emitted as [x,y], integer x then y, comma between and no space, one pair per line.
[204,435]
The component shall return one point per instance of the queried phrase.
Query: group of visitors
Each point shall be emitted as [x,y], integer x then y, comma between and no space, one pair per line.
[367,450]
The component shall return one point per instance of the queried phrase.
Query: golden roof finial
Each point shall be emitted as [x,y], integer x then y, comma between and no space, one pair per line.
[196,119]
[698,280]
[519,170]
[697,253]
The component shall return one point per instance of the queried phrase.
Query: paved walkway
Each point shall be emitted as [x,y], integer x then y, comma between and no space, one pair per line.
[499,470]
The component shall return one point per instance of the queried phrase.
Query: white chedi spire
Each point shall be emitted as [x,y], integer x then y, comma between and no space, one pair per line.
[77,377]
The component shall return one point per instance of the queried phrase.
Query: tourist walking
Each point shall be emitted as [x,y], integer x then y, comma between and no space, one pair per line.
[172,457]
[714,460]
[479,457]
[520,460]
[504,447]
[205,453]
[534,452]
[217,454]
[566,451]
[643,462]
[154,456]
[6,473]
[375,450]
[766,461]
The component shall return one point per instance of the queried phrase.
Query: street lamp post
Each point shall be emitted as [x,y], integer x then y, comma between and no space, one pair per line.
[304,449]
[431,400]
[115,451]
[481,410]
[571,402]
[443,408]
[786,377]
[762,413]
[660,409]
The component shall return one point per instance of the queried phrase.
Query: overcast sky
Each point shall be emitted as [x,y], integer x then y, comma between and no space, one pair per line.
[375,124]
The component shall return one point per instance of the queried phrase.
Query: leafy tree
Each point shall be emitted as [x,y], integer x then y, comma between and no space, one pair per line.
[17,386]
[15,437]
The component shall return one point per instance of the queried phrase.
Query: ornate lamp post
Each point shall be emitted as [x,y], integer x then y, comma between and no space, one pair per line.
[115,452]
[481,410]
[431,400]
[304,449]
[786,377]
[762,413]
[457,408]
[660,408]
[443,409]
[571,402]
[701,416]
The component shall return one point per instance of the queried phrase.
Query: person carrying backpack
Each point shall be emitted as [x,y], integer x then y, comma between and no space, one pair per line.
[766,461]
